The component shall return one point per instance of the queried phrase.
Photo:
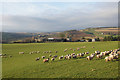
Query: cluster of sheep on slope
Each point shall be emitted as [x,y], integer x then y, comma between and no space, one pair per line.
[4,56]
[113,54]
[74,49]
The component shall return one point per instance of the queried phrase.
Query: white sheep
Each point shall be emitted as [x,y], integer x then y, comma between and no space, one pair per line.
[60,57]
[38,58]
[21,52]
[46,60]
[89,58]
[52,59]
[43,57]
[107,59]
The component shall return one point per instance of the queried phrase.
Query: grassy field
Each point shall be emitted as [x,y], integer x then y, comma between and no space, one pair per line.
[25,66]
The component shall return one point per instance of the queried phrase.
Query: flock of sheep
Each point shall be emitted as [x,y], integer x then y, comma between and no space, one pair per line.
[108,55]
[112,54]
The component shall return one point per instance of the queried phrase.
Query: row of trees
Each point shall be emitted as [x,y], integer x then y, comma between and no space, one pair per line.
[111,38]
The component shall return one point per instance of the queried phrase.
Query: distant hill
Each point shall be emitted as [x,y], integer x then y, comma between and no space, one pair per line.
[7,37]
[100,32]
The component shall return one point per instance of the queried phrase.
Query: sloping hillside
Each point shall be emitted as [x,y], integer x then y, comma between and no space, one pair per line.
[7,37]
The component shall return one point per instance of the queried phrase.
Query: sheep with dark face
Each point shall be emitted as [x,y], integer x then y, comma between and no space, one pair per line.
[38,58]
[46,60]
[10,56]
[92,55]
[107,59]
[61,57]
[89,57]
[65,57]
[74,56]
[99,56]
[69,57]
[97,52]
[52,59]
[78,55]
[30,52]
[55,56]
[43,57]
[81,54]
[86,52]
[116,57]
[70,48]
[56,51]
[50,55]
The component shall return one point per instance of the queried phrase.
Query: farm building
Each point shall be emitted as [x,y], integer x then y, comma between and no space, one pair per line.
[93,40]
[69,39]
[56,40]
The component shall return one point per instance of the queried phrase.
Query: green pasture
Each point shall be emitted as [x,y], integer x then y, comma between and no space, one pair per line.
[25,66]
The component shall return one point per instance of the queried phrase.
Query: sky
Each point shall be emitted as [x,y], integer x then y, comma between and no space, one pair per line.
[57,16]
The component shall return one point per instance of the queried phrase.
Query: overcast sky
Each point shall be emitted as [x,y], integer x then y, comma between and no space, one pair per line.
[57,16]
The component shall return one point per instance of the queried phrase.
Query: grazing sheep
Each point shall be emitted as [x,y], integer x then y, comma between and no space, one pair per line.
[73,49]
[97,52]
[21,52]
[70,48]
[30,53]
[50,52]
[65,50]
[74,56]
[110,58]
[78,55]
[89,58]
[38,51]
[55,56]
[83,47]
[46,60]
[52,59]
[92,55]
[50,55]
[98,56]
[37,59]
[81,54]
[43,57]
[86,52]
[118,52]
[10,56]
[56,51]
[69,57]
[65,57]
[107,59]
[60,57]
